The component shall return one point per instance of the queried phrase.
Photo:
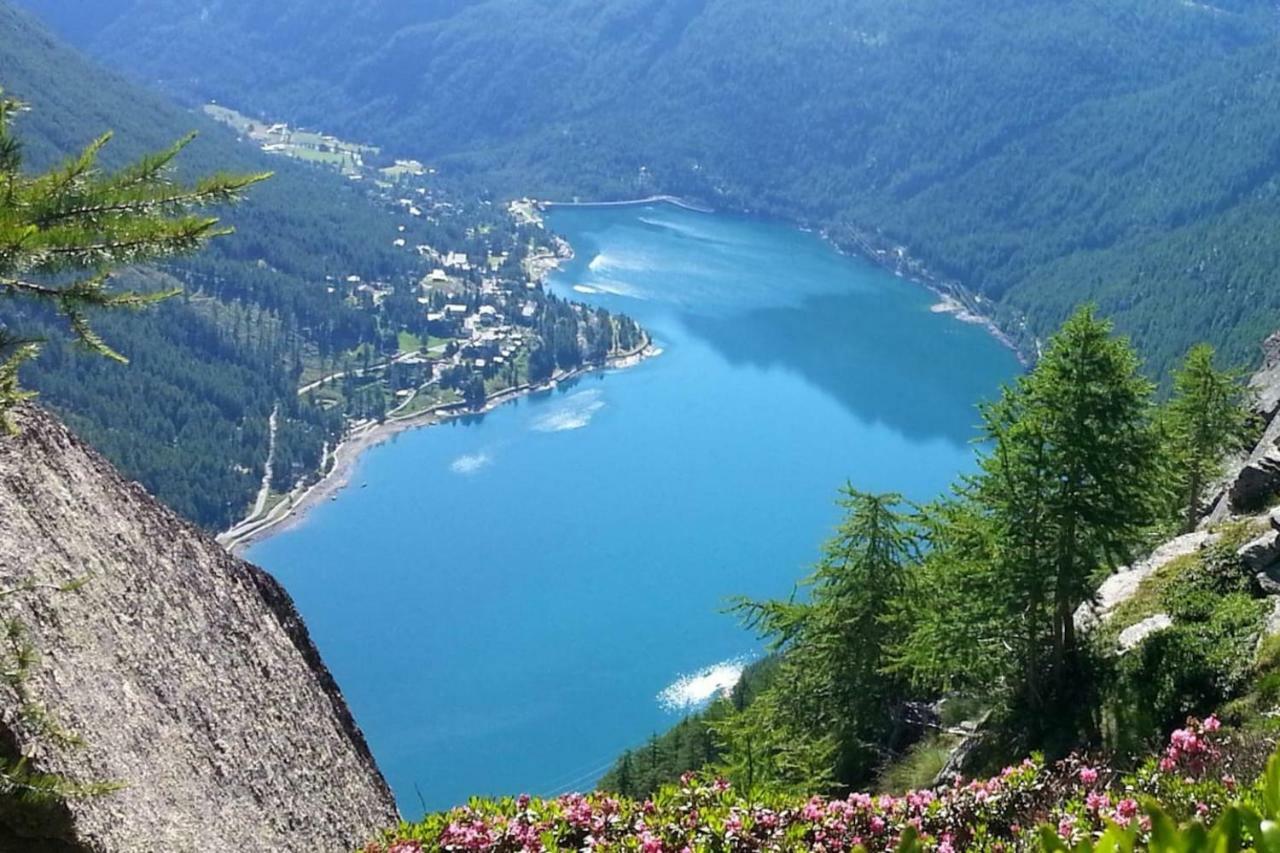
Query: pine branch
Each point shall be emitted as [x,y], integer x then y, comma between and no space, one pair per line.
[219,189]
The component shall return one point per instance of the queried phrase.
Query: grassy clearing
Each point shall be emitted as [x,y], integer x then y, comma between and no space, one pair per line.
[919,766]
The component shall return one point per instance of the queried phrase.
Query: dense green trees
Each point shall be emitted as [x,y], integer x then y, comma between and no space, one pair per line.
[1041,153]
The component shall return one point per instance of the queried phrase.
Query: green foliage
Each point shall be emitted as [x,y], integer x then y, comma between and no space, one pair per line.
[830,704]
[62,233]
[1043,153]
[1203,659]
[1240,827]
[1066,487]
[1206,419]
[919,767]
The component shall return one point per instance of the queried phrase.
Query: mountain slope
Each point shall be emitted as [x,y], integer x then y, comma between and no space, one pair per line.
[1040,153]
[189,416]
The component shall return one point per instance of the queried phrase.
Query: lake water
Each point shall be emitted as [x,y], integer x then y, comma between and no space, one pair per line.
[511,602]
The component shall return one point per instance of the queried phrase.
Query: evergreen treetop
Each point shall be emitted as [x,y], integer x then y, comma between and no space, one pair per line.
[64,232]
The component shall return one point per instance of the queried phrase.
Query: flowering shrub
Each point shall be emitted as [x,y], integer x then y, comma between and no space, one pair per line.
[1077,800]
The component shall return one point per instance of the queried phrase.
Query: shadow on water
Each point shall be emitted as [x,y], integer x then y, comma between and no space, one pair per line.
[918,373]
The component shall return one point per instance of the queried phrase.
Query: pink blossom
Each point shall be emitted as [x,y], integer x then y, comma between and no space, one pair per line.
[1088,775]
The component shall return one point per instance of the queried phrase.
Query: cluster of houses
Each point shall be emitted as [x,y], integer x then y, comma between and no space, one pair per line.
[486,337]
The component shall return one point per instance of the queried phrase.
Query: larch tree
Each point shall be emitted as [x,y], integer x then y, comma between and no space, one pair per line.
[64,232]
[1207,418]
[832,681]
[1070,484]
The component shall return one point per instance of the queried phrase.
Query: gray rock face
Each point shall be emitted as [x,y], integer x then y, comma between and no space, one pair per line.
[1133,635]
[1259,479]
[1266,382]
[1268,582]
[187,673]
[1121,586]
[1262,553]
[1254,479]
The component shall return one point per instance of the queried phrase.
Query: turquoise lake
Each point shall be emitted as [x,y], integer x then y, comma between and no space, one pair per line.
[510,602]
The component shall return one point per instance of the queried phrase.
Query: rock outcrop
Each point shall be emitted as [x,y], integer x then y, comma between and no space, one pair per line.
[186,673]
[1121,586]
[1253,480]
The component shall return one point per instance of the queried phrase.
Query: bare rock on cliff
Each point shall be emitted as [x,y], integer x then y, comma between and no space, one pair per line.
[186,672]
[1123,584]
[1253,479]
[1266,382]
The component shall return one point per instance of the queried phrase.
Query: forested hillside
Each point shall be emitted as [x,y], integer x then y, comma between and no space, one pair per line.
[188,418]
[1040,153]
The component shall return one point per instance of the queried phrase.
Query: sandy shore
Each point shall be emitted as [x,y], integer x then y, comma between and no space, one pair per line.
[344,457]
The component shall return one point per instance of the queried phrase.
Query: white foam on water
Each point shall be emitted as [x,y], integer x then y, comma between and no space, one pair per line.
[621,261]
[618,288]
[683,229]
[575,412]
[470,463]
[695,689]
[585,288]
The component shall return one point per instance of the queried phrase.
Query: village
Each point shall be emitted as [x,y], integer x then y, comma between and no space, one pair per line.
[472,321]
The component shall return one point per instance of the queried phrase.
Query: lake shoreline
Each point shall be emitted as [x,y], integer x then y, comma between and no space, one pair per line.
[953,297]
[675,201]
[342,460]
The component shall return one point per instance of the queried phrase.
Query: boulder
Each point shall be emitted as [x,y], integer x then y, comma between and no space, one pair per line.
[1261,553]
[1257,482]
[1268,582]
[1135,634]
[1250,481]
[1265,384]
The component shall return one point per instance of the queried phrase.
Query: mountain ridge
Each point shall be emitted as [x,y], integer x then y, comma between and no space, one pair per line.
[1039,154]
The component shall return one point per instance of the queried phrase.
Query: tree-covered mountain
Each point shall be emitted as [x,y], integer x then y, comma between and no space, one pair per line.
[188,417]
[1040,153]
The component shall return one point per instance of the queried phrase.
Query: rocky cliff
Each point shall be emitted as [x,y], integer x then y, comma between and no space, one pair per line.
[185,674]
[1244,504]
